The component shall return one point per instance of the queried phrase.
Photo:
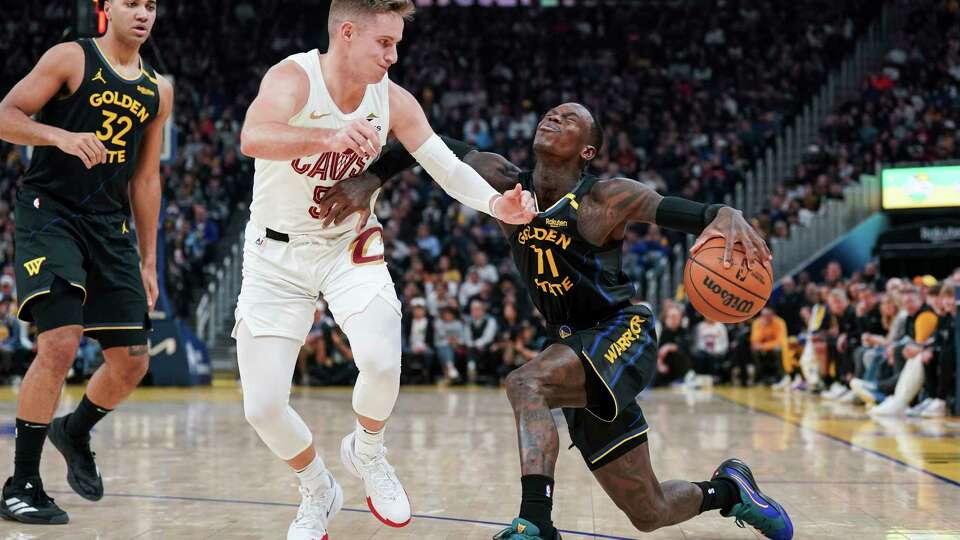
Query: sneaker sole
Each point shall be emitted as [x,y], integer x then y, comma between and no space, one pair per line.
[352,469]
[386,521]
[10,516]
[54,436]
[766,498]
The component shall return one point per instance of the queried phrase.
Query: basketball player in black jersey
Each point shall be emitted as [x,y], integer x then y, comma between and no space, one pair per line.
[604,350]
[100,111]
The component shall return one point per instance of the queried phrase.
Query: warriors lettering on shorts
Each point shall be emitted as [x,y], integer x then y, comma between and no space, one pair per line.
[332,166]
[629,336]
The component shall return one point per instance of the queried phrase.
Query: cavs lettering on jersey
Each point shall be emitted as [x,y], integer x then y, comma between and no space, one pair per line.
[286,194]
[114,108]
[572,282]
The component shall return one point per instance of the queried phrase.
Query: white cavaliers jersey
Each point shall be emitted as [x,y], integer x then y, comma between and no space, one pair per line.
[286,193]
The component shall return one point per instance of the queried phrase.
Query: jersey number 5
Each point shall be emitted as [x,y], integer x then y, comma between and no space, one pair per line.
[318,192]
[125,123]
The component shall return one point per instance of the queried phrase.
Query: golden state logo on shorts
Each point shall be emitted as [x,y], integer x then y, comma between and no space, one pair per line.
[565,332]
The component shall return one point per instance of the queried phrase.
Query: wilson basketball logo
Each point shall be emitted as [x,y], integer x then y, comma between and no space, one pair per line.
[727,294]
[728,298]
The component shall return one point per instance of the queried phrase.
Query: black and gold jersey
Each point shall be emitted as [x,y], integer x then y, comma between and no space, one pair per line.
[117,110]
[572,282]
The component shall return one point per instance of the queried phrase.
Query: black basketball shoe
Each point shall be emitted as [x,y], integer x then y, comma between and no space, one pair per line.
[26,502]
[82,472]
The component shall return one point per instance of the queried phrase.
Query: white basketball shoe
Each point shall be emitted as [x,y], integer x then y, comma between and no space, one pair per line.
[317,508]
[385,495]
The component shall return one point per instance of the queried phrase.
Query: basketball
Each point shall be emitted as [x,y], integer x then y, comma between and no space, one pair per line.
[727,295]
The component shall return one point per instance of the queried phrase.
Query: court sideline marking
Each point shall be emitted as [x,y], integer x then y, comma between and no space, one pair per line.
[346,509]
[801,425]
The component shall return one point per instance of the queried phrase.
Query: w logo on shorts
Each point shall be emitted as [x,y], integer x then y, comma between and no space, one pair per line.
[33,267]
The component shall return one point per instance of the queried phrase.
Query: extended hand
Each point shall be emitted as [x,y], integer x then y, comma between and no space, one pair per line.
[149,276]
[347,198]
[515,207]
[730,225]
[85,146]
[358,136]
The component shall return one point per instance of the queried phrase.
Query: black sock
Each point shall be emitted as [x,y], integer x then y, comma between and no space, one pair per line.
[29,445]
[537,502]
[720,494]
[82,420]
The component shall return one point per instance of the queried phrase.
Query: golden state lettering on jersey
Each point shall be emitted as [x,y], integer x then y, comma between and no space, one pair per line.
[629,336]
[545,235]
[116,125]
[548,278]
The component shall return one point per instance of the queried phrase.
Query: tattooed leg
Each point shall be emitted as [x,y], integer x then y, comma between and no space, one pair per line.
[121,372]
[554,379]
[650,504]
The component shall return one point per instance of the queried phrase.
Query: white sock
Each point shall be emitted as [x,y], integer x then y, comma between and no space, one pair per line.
[367,444]
[315,476]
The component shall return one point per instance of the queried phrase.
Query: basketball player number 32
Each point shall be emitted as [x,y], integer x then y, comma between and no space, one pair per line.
[124,122]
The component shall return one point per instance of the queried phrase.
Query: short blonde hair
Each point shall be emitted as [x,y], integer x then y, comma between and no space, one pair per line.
[346,10]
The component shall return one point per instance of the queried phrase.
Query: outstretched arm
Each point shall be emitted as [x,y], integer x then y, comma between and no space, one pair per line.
[352,196]
[621,201]
[410,125]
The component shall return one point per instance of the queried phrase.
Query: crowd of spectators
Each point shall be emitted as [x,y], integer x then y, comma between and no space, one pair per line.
[888,344]
[906,111]
[688,102]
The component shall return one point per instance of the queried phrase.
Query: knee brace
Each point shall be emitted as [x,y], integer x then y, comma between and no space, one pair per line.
[374,336]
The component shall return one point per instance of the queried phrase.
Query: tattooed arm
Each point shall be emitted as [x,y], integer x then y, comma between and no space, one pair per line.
[612,204]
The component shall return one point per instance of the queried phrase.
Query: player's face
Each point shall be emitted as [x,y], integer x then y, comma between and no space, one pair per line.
[373,45]
[132,20]
[565,131]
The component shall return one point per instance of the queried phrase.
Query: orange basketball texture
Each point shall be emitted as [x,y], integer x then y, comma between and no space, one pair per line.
[727,295]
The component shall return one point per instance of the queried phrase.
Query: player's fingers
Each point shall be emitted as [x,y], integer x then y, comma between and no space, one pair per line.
[98,144]
[354,142]
[750,250]
[362,142]
[85,155]
[92,145]
[343,212]
[362,222]
[372,136]
[702,239]
[764,248]
[330,215]
[728,251]
[99,151]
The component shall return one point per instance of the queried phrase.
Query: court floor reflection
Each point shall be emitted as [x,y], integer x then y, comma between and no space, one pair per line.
[183,463]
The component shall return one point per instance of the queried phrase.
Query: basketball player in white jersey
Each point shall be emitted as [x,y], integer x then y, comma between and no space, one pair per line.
[319,119]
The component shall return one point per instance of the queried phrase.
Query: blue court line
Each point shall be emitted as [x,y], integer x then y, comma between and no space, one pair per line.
[844,441]
[358,510]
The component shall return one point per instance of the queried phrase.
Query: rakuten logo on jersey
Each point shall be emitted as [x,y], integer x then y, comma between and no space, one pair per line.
[331,166]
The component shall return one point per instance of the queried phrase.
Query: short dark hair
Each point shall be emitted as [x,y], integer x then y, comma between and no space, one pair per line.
[596,130]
